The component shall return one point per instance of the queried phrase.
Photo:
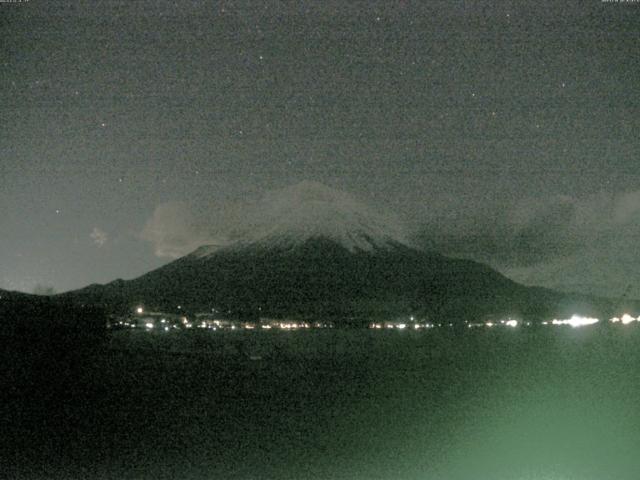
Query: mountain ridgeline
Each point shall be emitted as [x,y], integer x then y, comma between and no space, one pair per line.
[313,252]
[320,278]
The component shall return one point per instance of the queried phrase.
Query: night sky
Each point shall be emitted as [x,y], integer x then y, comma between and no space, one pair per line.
[508,132]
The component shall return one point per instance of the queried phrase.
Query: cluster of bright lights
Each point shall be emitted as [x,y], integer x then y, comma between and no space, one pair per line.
[184,322]
[123,323]
[400,325]
[209,324]
[395,325]
[293,325]
[575,321]
[413,324]
[626,319]
[501,323]
[259,325]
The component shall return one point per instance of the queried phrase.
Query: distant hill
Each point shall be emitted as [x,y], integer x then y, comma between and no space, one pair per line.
[46,320]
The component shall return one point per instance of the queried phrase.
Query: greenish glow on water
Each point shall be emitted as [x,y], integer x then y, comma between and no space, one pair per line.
[510,404]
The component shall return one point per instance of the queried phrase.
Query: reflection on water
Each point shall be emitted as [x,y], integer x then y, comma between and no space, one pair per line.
[485,403]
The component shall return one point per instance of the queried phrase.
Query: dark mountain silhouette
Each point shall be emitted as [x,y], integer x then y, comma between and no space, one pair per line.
[321,278]
[46,324]
[312,251]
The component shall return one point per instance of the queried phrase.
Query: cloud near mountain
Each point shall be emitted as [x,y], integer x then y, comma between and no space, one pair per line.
[174,231]
[584,244]
[299,211]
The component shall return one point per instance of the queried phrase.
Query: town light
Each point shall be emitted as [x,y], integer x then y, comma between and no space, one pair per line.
[576,321]
[627,319]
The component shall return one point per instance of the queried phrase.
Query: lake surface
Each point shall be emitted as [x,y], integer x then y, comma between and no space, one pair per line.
[552,403]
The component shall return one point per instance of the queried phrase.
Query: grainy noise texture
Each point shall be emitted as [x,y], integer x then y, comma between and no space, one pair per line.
[488,126]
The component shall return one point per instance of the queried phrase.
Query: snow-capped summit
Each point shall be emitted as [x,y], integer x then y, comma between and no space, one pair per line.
[309,210]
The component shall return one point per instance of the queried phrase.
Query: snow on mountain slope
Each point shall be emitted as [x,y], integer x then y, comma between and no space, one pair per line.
[312,210]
